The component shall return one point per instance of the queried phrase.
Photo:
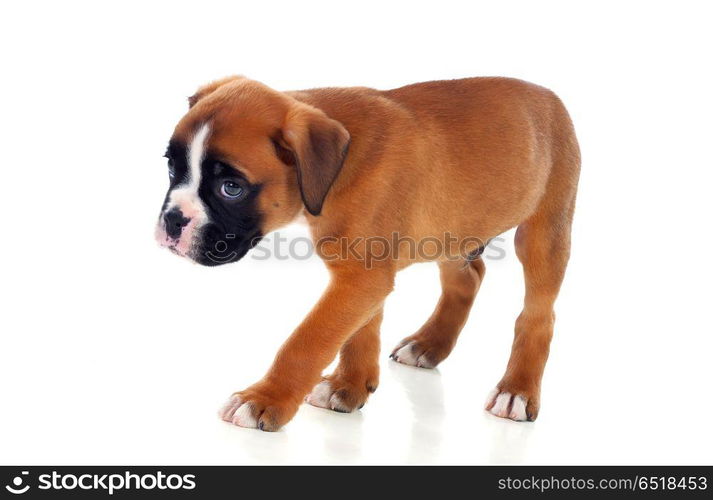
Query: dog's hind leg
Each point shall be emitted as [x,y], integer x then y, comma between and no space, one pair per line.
[357,373]
[542,244]
[434,341]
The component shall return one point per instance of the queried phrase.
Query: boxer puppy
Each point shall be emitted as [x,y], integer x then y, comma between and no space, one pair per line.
[454,163]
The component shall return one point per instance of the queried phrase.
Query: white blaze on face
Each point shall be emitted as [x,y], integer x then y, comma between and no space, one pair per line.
[185,195]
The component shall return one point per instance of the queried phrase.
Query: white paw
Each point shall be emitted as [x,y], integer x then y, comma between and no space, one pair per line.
[238,413]
[505,405]
[407,355]
[323,396]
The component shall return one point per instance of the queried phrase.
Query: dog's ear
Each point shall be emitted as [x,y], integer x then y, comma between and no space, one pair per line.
[209,88]
[317,146]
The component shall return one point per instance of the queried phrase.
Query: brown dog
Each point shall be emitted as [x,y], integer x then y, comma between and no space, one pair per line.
[451,163]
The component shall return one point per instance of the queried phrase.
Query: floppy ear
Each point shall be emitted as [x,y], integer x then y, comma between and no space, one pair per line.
[210,88]
[317,147]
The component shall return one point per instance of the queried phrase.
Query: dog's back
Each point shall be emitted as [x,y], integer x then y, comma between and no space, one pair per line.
[504,139]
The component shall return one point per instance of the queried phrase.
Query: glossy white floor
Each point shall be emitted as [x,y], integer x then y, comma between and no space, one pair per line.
[137,376]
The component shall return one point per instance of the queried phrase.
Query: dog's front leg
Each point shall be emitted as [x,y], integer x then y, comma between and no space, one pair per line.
[352,298]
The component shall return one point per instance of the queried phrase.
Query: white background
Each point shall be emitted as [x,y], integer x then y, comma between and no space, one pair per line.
[114,351]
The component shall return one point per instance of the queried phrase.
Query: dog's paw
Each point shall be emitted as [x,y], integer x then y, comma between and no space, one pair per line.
[419,352]
[512,405]
[338,394]
[256,408]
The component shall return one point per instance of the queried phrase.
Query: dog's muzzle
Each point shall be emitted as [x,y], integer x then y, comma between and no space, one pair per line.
[175,231]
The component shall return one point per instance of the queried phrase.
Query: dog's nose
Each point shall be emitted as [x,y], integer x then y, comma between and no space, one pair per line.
[175,222]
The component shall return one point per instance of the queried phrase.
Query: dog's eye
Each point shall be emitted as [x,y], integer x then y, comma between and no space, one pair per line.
[232,190]
[171,169]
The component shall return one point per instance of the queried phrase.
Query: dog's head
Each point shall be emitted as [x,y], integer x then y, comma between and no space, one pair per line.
[242,162]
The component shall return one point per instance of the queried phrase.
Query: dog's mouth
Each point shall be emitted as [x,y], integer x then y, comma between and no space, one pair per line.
[179,246]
